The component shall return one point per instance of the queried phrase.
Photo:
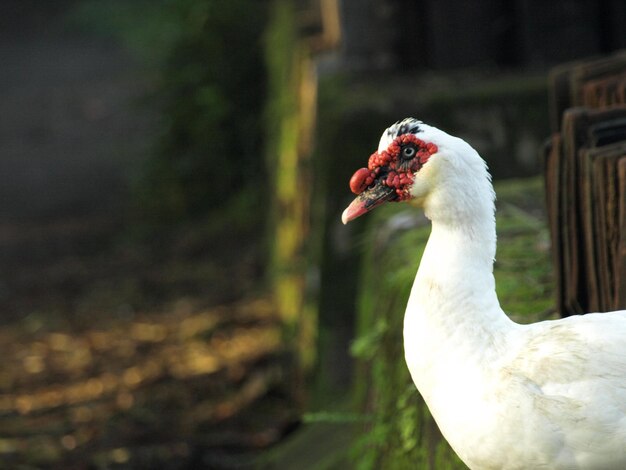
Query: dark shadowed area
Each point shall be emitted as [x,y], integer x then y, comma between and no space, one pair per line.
[132,339]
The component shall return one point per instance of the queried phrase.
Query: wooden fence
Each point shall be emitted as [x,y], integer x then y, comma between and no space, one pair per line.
[586,184]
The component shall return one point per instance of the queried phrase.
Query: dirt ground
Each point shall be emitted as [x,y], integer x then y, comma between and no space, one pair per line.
[118,353]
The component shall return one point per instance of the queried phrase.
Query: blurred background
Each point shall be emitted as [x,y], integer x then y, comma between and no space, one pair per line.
[177,290]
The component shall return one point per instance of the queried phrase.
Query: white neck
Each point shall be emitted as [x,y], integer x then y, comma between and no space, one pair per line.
[453,322]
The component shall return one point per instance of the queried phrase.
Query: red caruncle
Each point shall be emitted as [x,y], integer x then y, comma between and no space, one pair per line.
[396,172]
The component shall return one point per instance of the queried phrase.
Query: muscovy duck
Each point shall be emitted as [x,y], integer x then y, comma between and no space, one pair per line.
[546,395]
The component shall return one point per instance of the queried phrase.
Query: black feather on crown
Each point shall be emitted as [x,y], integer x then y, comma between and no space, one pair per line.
[406,126]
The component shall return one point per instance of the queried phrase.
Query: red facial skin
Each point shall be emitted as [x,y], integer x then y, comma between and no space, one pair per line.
[399,172]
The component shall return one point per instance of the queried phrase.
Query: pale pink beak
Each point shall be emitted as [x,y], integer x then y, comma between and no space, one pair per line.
[366,201]
[354,210]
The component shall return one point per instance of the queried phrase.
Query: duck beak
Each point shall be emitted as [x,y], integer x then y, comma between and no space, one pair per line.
[368,200]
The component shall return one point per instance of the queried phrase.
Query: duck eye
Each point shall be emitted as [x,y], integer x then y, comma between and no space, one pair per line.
[408,152]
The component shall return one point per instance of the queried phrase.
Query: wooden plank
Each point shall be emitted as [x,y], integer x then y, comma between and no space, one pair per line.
[606,220]
[575,124]
[568,84]
[581,129]
[620,268]
[605,92]
[552,169]
[588,202]
[585,191]
[602,252]
[602,68]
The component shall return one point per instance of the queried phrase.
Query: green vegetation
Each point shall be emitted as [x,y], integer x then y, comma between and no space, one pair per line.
[210,95]
[212,90]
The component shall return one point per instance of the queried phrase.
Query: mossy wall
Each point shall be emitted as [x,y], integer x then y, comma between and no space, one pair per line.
[290,117]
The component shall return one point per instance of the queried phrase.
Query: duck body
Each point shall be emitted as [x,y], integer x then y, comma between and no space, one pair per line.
[548,395]
[509,396]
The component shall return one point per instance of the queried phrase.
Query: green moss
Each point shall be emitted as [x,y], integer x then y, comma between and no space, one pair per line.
[402,433]
[289,107]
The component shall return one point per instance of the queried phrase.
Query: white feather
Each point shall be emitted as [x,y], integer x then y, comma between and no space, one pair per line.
[506,396]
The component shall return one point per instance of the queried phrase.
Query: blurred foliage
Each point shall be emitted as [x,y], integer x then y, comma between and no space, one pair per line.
[213,91]
[402,434]
[210,92]
[148,28]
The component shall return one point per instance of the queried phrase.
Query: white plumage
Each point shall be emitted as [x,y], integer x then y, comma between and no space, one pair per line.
[548,395]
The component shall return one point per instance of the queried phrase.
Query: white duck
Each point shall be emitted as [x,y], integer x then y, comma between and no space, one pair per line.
[548,395]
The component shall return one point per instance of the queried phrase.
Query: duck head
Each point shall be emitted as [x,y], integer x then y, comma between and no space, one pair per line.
[392,171]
